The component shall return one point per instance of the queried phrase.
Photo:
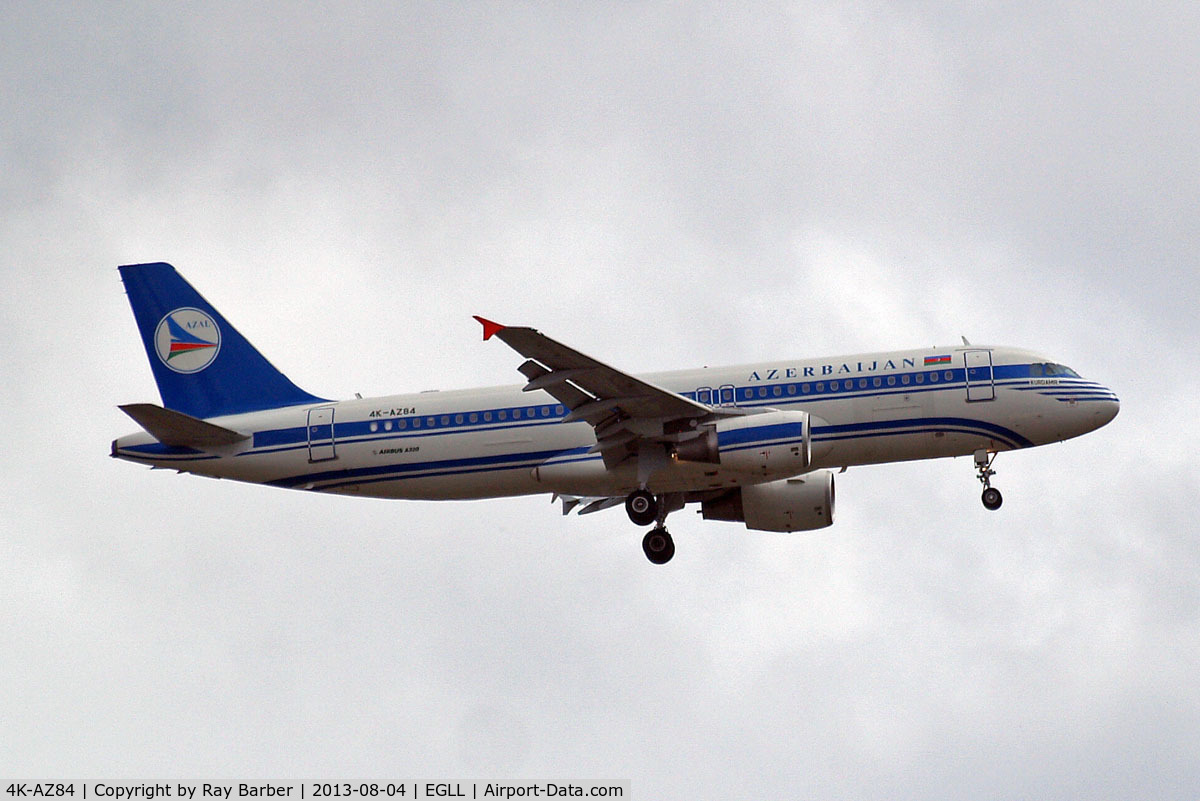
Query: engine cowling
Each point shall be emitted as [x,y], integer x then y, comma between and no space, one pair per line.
[803,503]
[778,442]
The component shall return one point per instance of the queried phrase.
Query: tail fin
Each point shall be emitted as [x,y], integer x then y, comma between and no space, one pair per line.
[203,366]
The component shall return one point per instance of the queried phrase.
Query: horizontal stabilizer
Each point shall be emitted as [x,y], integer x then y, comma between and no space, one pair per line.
[178,429]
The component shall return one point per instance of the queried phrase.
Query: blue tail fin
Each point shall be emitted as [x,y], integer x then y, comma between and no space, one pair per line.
[203,366]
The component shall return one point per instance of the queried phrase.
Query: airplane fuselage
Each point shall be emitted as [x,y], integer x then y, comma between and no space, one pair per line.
[502,441]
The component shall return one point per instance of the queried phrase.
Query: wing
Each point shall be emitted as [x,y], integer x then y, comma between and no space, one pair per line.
[626,412]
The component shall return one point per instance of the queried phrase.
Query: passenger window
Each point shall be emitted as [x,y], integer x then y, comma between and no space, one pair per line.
[777,391]
[502,414]
[387,425]
[445,419]
[791,389]
[416,422]
[747,393]
[820,386]
[429,421]
[545,411]
[948,375]
[474,418]
[891,381]
[516,414]
[458,419]
[805,388]
[920,378]
[374,427]
[762,392]
[862,383]
[560,410]
[401,424]
[704,395]
[487,417]
[933,377]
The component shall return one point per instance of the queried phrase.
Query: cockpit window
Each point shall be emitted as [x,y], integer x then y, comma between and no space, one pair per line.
[1039,369]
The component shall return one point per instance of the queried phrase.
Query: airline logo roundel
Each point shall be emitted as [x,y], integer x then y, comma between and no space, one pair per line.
[187,340]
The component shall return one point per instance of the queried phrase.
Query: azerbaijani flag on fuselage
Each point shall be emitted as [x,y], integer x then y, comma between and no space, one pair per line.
[930,360]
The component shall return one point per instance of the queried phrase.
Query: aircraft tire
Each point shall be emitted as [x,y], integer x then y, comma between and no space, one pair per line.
[642,507]
[658,545]
[992,498]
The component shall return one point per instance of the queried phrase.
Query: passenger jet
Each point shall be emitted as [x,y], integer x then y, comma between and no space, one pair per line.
[756,444]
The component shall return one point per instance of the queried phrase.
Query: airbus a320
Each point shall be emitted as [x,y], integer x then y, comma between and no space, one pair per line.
[756,444]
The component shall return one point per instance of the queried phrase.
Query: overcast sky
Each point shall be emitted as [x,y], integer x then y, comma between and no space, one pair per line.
[662,186]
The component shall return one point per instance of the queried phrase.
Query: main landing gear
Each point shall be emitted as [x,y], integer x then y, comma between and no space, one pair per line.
[644,509]
[991,496]
[658,545]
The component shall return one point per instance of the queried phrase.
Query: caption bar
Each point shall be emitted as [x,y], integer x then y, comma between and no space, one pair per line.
[103,791]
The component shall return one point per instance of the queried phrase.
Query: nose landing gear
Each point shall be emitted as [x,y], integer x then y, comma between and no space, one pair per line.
[991,496]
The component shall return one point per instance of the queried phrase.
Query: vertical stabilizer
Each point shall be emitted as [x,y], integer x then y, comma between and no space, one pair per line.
[203,366]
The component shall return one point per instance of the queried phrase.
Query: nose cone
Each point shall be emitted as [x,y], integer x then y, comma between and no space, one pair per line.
[1108,409]
[1078,413]
[1100,408]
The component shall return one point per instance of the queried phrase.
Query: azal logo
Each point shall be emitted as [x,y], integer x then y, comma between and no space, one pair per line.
[187,340]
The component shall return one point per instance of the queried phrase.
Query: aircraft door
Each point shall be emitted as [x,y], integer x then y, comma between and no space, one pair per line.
[320,435]
[980,382]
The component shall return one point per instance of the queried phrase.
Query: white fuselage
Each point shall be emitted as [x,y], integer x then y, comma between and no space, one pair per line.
[500,441]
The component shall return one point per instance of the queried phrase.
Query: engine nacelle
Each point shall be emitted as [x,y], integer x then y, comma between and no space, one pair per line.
[777,443]
[803,503]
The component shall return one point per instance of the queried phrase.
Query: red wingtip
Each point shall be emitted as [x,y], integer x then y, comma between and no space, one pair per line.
[489,327]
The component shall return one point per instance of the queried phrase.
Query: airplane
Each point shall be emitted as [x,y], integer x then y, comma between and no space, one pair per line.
[756,444]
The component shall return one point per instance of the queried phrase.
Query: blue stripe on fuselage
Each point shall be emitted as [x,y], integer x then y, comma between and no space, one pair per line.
[359,431]
[531,459]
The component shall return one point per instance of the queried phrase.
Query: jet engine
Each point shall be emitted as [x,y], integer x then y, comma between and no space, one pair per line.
[803,503]
[778,442]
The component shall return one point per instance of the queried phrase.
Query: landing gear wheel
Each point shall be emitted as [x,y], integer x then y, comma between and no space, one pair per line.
[992,498]
[983,465]
[641,507]
[658,545]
